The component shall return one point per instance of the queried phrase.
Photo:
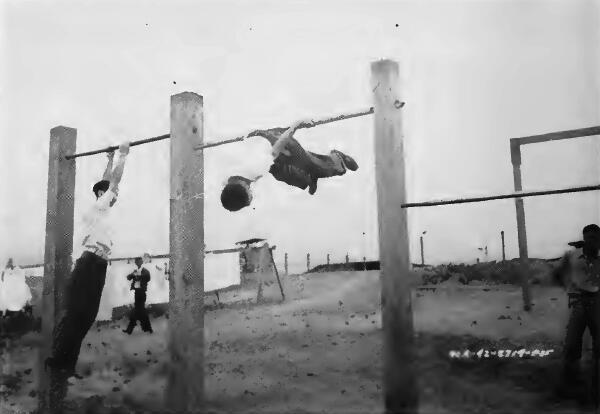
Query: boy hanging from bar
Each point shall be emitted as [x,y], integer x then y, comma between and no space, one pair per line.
[86,282]
[292,164]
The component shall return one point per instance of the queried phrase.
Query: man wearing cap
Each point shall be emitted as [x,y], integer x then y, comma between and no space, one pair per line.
[139,284]
[579,272]
[86,282]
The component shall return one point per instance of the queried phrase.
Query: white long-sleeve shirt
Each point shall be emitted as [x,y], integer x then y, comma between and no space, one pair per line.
[97,235]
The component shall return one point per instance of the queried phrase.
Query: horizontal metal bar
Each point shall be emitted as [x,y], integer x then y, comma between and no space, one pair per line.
[519,194]
[554,136]
[217,143]
[318,122]
[160,256]
[116,147]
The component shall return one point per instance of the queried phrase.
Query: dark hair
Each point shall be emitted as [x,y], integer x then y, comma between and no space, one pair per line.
[591,228]
[138,258]
[234,197]
[101,185]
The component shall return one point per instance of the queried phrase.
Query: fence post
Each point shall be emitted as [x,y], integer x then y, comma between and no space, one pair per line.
[503,247]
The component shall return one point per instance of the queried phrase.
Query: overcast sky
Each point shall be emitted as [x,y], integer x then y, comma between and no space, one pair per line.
[475,73]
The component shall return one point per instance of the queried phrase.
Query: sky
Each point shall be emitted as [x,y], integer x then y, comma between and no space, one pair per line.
[474,74]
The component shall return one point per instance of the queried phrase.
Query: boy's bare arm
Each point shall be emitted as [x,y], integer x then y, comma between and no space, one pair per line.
[271,135]
[117,173]
[107,172]
[279,147]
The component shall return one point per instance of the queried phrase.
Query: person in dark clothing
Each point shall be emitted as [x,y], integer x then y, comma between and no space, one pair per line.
[579,272]
[139,284]
[86,282]
[292,164]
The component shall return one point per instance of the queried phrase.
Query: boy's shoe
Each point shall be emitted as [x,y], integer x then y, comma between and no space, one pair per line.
[347,160]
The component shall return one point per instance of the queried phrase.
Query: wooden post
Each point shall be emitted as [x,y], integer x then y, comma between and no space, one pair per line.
[364,263]
[60,206]
[347,258]
[307,262]
[286,264]
[327,259]
[515,158]
[503,247]
[277,274]
[399,376]
[185,382]
[422,253]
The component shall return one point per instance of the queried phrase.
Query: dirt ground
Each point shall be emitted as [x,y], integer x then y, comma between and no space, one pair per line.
[320,351]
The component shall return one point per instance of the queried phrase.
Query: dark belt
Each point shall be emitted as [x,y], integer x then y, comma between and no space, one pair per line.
[583,294]
[585,297]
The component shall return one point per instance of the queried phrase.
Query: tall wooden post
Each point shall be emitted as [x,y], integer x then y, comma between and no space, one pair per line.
[60,206]
[286,264]
[307,262]
[399,376]
[347,258]
[503,246]
[327,259]
[364,263]
[185,387]
[422,253]
[515,158]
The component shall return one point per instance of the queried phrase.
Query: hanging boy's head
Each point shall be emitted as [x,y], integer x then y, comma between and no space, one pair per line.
[100,188]
[236,195]
[138,261]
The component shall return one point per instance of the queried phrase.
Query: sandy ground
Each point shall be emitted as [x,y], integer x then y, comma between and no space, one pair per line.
[320,351]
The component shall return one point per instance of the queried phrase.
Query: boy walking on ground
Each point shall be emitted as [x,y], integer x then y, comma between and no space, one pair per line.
[139,284]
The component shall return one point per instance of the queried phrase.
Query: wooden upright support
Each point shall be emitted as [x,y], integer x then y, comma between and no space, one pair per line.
[515,157]
[399,376]
[185,387]
[60,206]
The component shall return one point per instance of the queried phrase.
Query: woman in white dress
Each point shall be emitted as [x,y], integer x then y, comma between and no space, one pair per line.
[15,292]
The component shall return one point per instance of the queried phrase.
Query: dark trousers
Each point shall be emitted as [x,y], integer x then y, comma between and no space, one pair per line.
[585,313]
[301,167]
[139,313]
[84,290]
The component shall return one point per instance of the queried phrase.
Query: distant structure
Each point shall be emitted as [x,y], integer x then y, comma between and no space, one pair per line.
[258,269]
